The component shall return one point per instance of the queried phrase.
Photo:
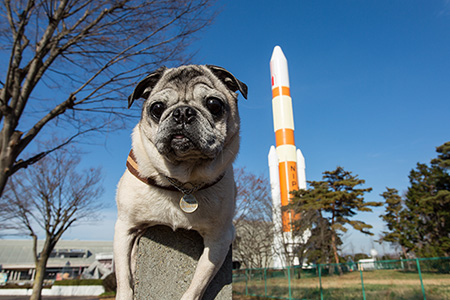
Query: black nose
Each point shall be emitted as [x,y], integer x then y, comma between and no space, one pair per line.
[184,114]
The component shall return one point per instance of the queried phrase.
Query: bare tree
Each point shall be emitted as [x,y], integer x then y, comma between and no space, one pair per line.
[257,228]
[253,220]
[66,64]
[5,219]
[50,197]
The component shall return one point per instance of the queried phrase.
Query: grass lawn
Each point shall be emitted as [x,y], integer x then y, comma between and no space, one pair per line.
[379,284]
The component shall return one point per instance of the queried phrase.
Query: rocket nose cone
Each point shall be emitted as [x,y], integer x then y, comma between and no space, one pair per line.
[277,54]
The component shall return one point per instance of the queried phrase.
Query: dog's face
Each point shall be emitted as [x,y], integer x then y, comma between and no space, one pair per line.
[190,112]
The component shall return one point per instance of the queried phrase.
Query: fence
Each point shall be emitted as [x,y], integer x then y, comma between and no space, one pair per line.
[421,278]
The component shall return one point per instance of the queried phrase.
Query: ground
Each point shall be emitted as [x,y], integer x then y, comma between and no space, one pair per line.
[235,297]
[239,297]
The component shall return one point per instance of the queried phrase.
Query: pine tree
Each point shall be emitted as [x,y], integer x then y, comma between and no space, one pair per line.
[316,248]
[427,203]
[337,200]
[443,160]
[422,226]
[394,220]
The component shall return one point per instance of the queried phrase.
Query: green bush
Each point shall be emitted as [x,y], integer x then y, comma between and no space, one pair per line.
[107,294]
[109,283]
[27,285]
[79,282]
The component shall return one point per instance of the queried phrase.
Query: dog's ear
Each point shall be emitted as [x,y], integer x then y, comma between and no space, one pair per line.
[229,80]
[145,86]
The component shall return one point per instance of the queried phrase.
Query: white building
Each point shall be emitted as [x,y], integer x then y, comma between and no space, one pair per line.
[68,260]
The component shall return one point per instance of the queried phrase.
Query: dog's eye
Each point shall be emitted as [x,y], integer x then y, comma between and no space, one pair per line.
[215,106]
[157,109]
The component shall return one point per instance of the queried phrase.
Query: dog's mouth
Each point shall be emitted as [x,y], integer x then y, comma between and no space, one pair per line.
[179,137]
[181,143]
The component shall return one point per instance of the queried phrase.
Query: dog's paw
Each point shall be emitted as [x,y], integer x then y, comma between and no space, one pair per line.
[190,296]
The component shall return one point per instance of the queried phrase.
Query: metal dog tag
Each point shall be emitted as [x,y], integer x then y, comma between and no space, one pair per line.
[188,203]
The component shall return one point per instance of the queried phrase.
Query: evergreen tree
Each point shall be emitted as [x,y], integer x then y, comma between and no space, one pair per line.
[319,248]
[427,203]
[316,248]
[422,226]
[443,159]
[394,220]
[337,200]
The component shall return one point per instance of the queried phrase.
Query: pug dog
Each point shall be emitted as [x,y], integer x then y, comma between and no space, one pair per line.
[179,171]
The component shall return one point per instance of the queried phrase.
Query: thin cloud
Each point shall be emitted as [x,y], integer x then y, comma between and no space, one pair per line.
[445,10]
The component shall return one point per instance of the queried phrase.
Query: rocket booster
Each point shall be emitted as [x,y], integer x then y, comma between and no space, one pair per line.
[283,122]
[301,170]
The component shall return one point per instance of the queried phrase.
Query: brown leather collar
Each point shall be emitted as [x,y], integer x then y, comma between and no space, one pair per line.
[132,166]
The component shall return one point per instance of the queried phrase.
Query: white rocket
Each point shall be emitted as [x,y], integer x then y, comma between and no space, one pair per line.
[286,162]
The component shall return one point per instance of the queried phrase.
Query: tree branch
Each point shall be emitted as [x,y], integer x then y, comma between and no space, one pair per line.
[25,163]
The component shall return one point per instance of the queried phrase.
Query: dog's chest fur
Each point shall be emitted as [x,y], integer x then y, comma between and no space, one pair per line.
[152,205]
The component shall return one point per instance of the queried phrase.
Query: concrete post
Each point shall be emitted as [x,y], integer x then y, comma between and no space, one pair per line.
[166,262]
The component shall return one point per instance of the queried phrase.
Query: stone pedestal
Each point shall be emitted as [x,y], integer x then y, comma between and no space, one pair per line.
[166,262]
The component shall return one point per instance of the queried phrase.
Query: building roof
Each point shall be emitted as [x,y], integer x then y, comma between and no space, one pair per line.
[19,253]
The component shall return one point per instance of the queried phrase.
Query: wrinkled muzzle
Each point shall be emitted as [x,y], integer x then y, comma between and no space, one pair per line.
[185,134]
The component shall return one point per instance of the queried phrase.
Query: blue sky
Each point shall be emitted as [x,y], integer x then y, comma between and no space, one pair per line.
[370,83]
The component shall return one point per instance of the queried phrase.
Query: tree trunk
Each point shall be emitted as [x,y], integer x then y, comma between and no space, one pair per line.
[336,256]
[41,265]
[9,140]
[404,252]
[3,176]
[408,263]
[39,277]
